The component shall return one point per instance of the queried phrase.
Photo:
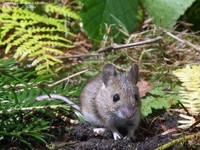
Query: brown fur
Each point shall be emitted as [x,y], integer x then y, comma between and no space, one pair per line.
[97,103]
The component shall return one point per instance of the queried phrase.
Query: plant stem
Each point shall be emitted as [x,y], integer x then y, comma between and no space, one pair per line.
[34,108]
[176,141]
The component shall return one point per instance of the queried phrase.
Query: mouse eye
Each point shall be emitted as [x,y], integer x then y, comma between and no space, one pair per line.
[116,97]
[136,96]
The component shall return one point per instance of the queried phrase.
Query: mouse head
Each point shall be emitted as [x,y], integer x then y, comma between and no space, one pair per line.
[119,97]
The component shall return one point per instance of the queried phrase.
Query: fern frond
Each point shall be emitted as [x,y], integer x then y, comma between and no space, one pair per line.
[54,43]
[35,36]
[40,29]
[51,38]
[12,37]
[49,57]
[66,12]
[46,50]
[186,121]
[54,50]
[45,62]
[20,38]
[190,92]
[5,30]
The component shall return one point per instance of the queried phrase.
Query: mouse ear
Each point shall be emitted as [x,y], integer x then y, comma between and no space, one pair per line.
[133,74]
[108,72]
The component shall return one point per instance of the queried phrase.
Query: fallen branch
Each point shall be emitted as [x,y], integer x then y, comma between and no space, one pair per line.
[115,47]
[77,56]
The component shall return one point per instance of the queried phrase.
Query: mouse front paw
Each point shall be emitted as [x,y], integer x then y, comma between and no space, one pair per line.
[117,135]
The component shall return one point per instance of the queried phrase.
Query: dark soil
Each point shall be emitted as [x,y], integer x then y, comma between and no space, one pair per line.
[81,136]
[148,137]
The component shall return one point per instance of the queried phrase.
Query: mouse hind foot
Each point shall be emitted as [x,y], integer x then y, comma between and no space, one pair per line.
[99,131]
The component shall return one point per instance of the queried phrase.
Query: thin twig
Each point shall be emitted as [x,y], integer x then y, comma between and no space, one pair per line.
[71,76]
[182,111]
[117,67]
[77,56]
[35,108]
[180,40]
[121,46]
[114,47]
[194,125]
[188,113]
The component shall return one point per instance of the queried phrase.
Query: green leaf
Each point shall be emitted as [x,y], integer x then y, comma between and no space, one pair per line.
[97,13]
[160,99]
[26,143]
[166,12]
[39,36]
[37,136]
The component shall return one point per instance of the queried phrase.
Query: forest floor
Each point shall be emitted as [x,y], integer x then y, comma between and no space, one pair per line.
[152,133]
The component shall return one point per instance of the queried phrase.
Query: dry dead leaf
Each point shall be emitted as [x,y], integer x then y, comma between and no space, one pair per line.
[144,87]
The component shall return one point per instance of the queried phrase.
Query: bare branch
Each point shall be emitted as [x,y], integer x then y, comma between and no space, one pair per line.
[67,78]
[116,47]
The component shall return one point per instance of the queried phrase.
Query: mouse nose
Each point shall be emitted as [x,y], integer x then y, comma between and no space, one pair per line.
[128,113]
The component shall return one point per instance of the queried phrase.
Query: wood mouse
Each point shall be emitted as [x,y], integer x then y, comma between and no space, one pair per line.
[112,100]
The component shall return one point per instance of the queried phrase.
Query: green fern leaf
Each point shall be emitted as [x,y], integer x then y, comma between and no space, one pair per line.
[49,57]
[36,36]
[46,50]
[55,51]
[20,40]
[12,37]
[40,29]
[51,38]
[54,43]
[66,12]
[5,30]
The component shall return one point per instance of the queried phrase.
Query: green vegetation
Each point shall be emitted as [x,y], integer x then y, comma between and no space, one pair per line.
[38,37]
[166,12]
[41,43]
[160,97]
[114,20]
[21,116]
[109,18]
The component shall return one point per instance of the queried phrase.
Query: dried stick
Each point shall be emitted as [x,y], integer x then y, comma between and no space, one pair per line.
[180,40]
[194,125]
[78,73]
[188,113]
[116,47]
[77,56]
[35,108]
